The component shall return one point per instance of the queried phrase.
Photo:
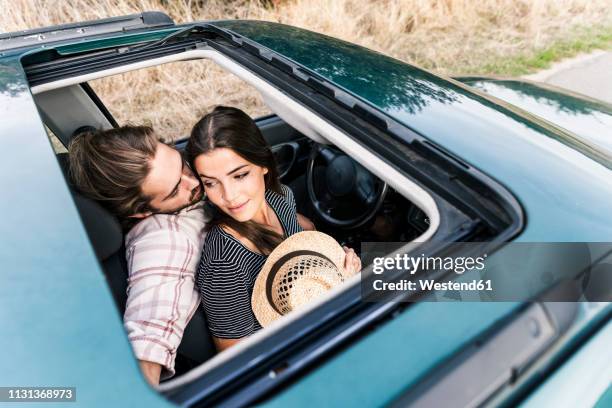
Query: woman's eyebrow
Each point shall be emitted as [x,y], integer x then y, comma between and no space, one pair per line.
[236,169]
[233,171]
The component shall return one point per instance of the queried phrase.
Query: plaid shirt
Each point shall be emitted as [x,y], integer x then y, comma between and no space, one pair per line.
[163,252]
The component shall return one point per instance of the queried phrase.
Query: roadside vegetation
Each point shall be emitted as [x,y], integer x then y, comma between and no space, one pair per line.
[449,37]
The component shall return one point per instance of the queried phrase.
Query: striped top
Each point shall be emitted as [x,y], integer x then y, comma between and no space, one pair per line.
[228,270]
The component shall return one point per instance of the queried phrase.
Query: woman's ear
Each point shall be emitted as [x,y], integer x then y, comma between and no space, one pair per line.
[265,171]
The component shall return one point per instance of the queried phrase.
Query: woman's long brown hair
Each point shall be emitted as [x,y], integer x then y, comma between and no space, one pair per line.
[231,128]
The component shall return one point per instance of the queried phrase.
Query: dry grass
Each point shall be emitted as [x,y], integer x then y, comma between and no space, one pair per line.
[172,97]
[446,36]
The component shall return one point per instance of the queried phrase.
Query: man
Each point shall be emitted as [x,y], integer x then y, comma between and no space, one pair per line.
[152,190]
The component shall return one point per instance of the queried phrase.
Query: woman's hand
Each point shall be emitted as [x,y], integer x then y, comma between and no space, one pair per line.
[352,263]
[305,223]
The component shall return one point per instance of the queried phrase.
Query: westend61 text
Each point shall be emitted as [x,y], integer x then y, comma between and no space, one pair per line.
[430,284]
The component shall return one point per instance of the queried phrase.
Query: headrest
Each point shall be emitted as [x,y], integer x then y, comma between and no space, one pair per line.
[102,227]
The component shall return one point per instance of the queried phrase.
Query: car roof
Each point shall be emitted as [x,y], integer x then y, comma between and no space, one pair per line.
[394,358]
[555,175]
[50,261]
[59,322]
[39,37]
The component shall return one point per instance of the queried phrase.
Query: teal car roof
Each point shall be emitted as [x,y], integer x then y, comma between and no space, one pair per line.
[60,326]
[47,258]
[388,362]
[556,175]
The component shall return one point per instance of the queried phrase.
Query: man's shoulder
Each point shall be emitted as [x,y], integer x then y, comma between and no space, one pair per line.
[188,223]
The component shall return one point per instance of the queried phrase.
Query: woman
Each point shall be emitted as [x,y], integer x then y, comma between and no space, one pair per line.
[251,214]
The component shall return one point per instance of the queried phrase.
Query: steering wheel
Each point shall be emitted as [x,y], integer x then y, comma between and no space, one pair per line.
[351,195]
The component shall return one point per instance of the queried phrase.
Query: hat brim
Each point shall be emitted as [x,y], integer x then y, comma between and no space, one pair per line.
[306,240]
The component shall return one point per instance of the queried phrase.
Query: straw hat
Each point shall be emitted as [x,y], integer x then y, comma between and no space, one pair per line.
[299,270]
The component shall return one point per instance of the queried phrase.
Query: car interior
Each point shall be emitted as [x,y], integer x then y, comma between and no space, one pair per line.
[326,179]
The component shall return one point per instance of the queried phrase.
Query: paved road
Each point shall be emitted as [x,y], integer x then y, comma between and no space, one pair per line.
[589,74]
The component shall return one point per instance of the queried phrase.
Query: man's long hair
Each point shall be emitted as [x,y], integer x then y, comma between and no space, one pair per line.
[110,166]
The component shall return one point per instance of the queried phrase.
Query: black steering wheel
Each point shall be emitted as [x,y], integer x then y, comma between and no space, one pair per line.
[346,195]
